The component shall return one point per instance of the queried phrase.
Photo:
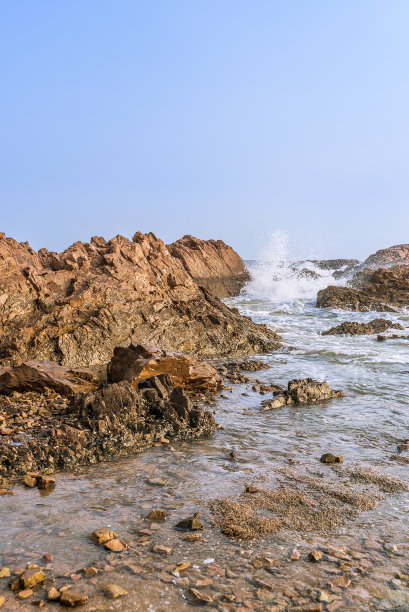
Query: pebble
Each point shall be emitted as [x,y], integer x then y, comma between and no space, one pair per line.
[73,598]
[4,572]
[330,458]
[25,593]
[315,555]
[29,481]
[113,591]
[156,482]
[295,555]
[190,523]
[159,514]
[32,577]
[161,550]
[252,489]
[200,597]
[100,536]
[2,600]
[53,594]
[115,545]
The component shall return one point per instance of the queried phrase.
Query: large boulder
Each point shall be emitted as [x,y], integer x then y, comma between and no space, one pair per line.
[75,307]
[137,362]
[41,375]
[212,263]
[352,328]
[347,298]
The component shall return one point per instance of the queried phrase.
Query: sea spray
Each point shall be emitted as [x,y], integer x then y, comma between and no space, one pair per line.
[276,277]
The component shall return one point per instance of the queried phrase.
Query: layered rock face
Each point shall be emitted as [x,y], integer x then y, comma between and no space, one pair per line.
[75,307]
[380,284]
[212,264]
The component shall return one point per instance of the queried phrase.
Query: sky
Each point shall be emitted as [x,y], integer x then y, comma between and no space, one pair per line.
[224,119]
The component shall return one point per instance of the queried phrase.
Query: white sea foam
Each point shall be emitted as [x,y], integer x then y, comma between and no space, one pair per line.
[276,277]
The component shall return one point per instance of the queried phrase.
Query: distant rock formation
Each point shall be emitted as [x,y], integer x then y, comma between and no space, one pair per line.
[75,307]
[212,264]
[381,284]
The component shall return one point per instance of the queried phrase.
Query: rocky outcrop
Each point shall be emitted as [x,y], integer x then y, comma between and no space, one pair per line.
[115,421]
[394,255]
[40,375]
[137,362]
[353,328]
[76,307]
[212,264]
[333,264]
[302,391]
[346,298]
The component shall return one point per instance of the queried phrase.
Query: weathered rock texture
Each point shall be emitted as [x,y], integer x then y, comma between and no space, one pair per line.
[115,421]
[40,375]
[358,329]
[137,362]
[394,255]
[381,284]
[213,265]
[302,391]
[75,307]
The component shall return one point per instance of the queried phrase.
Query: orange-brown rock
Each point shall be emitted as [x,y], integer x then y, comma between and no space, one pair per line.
[394,255]
[39,375]
[138,362]
[213,264]
[77,306]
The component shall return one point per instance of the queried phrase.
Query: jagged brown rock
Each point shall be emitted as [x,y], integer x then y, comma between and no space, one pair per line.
[117,420]
[212,264]
[138,362]
[357,329]
[40,375]
[394,255]
[76,307]
[346,298]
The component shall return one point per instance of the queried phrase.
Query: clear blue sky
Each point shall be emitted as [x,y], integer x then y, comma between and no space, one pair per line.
[220,118]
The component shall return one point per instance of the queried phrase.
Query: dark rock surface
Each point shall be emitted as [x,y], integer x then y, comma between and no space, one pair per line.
[114,421]
[353,328]
[347,298]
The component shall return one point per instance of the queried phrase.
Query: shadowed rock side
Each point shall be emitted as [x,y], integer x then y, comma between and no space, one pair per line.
[353,328]
[75,307]
[212,264]
[115,421]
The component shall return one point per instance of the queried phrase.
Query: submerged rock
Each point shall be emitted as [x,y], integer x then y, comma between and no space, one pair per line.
[302,391]
[138,362]
[376,326]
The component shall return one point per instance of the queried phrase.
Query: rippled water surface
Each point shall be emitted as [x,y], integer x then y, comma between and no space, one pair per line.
[365,427]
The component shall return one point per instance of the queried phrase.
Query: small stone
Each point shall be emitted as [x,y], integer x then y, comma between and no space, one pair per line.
[161,550]
[115,545]
[315,555]
[48,558]
[46,482]
[330,458]
[2,600]
[233,455]
[164,440]
[4,572]
[190,523]
[156,482]
[159,514]
[341,581]
[202,598]
[324,596]
[53,594]
[113,591]
[295,555]
[25,593]
[251,489]
[6,431]
[193,537]
[100,536]
[89,572]
[30,481]
[166,577]
[32,577]
[180,568]
[73,598]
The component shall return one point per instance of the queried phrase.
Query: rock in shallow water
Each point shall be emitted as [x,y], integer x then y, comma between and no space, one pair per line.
[353,328]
